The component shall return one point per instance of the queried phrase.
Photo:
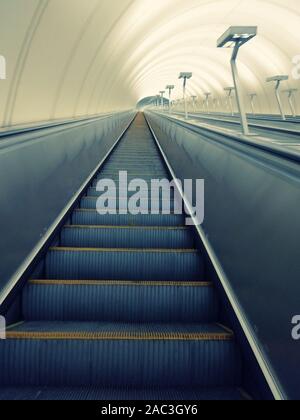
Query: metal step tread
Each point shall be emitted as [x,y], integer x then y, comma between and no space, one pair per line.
[120,283]
[118,331]
[131,250]
[121,394]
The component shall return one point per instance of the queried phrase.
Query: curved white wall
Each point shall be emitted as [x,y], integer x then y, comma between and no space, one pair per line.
[68,58]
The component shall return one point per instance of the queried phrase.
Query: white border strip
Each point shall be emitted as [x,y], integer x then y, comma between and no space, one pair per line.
[267,371]
[34,253]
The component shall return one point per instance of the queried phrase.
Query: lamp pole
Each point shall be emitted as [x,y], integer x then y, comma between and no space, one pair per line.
[207,95]
[162,92]
[237,84]
[235,37]
[290,93]
[185,76]
[229,91]
[252,97]
[194,98]
[278,80]
[170,88]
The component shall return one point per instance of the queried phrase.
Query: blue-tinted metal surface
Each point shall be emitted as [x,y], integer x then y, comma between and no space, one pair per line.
[252,201]
[120,362]
[124,264]
[121,394]
[117,302]
[40,171]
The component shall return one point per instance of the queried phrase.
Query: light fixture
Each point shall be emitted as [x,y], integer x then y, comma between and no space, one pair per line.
[237,34]
[185,76]
[235,37]
[229,91]
[290,93]
[170,88]
[278,80]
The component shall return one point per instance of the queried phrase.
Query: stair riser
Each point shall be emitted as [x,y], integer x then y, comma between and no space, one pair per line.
[115,178]
[93,218]
[129,265]
[91,204]
[113,303]
[126,238]
[119,363]
[92,192]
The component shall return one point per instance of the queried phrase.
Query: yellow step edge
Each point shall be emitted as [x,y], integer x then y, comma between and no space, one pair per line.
[101,336]
[119,283]
[135,250]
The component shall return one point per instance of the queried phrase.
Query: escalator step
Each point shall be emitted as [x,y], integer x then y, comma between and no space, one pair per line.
[118,355]
[119,301]
[131,177]
[90,203]
[124,264]
[126,237]
[92,217]
[120,394]
[92,192]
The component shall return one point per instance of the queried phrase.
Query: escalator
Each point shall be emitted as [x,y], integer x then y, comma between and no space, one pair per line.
[122,308]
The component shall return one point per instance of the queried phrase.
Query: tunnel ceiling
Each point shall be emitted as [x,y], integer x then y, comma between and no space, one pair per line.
[68,58]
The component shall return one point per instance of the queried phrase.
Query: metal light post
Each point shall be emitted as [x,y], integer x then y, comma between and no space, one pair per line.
[252,96]
[157,100]
[162,92]
[194,98]
[215,104]
[170,88]
[229,91]
[290,93]
[207,95]
[278,80]
[185,76]
[235,37]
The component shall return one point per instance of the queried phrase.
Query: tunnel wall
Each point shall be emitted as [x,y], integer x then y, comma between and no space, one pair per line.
[70,58]
[252,222]
[39,174]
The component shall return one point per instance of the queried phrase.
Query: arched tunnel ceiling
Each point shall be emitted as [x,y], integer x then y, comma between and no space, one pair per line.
[68,58]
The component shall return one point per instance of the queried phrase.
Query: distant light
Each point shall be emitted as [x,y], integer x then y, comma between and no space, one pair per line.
[234,34]
[290,91]
[229,89]
[277,78]
[186,75]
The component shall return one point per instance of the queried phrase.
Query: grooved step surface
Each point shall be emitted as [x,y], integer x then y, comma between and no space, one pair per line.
[120,301]
[122,394]
[124,309]
[91,217]
[141,206]
[99,264]
[120,237]
[104,354]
